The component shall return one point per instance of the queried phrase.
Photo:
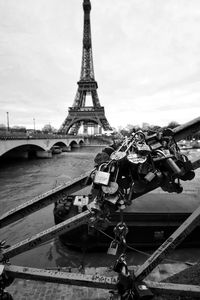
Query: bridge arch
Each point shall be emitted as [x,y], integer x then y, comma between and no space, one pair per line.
[22,151]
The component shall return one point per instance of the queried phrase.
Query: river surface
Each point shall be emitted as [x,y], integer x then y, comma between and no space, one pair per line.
[22,180]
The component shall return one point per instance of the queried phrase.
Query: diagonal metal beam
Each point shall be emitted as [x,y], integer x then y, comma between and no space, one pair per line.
[43,200]
[160,288]
[189,128]
[95,281]
[46,235]
[169,245]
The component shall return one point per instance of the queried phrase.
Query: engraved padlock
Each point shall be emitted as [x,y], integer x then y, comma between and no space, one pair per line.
[102,177]
[150,176]
[112,199]
[112,250]
[143,148]
[112,187]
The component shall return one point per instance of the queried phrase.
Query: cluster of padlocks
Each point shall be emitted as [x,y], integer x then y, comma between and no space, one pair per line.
[139,162]
[137,165]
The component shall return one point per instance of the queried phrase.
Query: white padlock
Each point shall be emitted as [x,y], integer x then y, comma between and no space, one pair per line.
[101,177]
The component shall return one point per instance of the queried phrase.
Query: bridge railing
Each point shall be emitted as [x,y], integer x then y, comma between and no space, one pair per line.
[34,136]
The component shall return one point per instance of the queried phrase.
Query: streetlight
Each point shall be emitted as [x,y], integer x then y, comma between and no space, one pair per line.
[34,124]
[8,127]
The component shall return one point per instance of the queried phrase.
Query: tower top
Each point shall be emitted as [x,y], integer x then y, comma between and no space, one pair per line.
[80,113]
[86,5]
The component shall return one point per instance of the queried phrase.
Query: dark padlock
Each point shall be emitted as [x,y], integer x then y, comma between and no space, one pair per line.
[186,165]
[119,264]
[141,291]
[101,158]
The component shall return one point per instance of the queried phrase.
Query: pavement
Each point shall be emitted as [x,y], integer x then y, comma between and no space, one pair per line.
[36,290]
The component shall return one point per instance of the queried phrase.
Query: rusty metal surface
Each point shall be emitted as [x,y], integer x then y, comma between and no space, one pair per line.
[160,288]
[95,281]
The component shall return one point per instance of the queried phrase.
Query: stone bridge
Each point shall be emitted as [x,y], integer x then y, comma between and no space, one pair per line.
[38,146]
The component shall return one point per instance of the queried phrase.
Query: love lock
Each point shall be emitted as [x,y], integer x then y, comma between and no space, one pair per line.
[118,156]
[143,148]
[101,158]
[112,187]
[112,250]
[186,166]
[121,231]
[141,291]
[136,158]
[101,177]
[112,199]
[171,164]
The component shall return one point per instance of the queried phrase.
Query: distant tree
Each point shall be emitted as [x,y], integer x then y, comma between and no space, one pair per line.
[18,129]
[49,129]
[125,132]
[3,126]
[173,124]
[154,128]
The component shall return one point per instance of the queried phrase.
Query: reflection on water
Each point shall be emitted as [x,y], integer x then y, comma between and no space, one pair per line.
[21,181]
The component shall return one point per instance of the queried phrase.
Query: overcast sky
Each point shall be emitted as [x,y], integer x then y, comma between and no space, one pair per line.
[146,60]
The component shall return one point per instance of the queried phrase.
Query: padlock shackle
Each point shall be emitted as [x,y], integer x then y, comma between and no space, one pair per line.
[171,163]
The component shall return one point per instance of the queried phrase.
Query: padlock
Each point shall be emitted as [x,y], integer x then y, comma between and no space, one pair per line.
[112,199]
[121,231]
[136,158]
[101,177]
[141,290]
[174,167]
[120,264]
[118,156]
[170,162]
[143,148]
[122,204]
[155,145]
[112,250]
[101,158]
[112,187]
[150,176]
[186,166]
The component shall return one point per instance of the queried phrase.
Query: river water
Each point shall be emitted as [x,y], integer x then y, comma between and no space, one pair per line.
[22,180]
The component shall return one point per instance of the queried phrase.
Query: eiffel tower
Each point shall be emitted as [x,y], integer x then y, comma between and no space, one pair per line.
[80,114]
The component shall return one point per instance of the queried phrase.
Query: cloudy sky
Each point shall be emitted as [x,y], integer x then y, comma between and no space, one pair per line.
[146,60]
